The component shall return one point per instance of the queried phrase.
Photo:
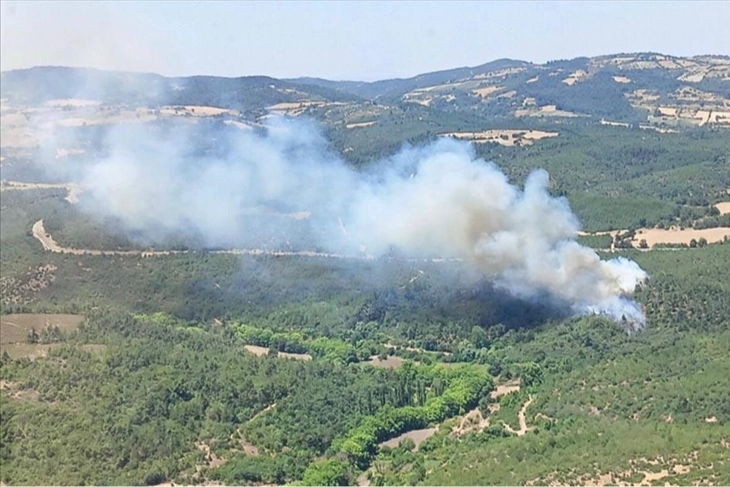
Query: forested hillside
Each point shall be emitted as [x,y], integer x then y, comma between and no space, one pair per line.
[132,360]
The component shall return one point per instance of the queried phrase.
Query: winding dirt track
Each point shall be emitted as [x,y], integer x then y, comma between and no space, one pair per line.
[40,234]
[523,421]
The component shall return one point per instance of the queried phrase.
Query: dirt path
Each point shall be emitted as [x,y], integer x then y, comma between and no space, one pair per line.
[523,421]
[40,234]
[49,244]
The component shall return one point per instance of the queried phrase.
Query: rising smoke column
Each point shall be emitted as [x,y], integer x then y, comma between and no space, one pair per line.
[433,201]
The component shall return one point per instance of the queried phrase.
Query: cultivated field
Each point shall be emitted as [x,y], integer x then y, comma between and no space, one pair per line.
[503,137]
[655,236]
[16,328]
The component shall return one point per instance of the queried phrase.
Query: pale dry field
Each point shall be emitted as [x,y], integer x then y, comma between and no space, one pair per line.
[668,111]
[487,90]
[14,328]
[504,389]
[359,125]
[418,437]
[503,137]
[196,111]
[654,236]
[575,77]
[259,351]
[723,207]
[614,124]
[71,102]
[391,362]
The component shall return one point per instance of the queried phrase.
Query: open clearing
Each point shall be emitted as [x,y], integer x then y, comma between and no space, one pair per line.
[654,236]
[259,351]
[723,207]
[14,328]
[504,389]
[359,125]
[391,362]
[14,331]
[503,137]
[418,437]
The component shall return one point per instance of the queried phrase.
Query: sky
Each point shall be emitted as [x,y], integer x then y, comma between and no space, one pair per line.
[345,40]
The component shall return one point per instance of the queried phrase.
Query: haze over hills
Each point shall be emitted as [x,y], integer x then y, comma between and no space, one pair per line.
[656,89]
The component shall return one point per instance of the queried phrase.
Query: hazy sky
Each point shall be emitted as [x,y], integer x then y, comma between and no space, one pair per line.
[345,40]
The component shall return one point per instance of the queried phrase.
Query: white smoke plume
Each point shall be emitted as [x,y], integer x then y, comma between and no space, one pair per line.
[437,201]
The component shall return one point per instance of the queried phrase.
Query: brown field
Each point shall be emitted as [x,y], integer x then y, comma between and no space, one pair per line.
[506,388]
[575,77]
[196,111]
[724,207]
[615,124]
[259,351]
[256,350]
[418,437]
[14,331]
[654,236]
[487,90]
[14,328]
[503,137]
[296,356]
[392,362]
[545,111]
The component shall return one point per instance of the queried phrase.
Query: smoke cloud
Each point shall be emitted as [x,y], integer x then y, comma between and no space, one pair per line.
[282,188]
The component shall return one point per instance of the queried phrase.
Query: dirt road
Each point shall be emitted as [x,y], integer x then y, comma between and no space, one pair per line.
[521,417]
[49,244]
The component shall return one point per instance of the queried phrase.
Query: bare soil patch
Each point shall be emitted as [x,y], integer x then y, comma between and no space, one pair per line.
[259,351]
[575,77]
[359,125]
[391,362]
[723,207]
[614,124]
[471,421]
[503,137]
[506,388]
[71,102]
[296,356]
[654,236]
[14,328]
[621,79]
[418,437]
[256,350]
[487,90]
